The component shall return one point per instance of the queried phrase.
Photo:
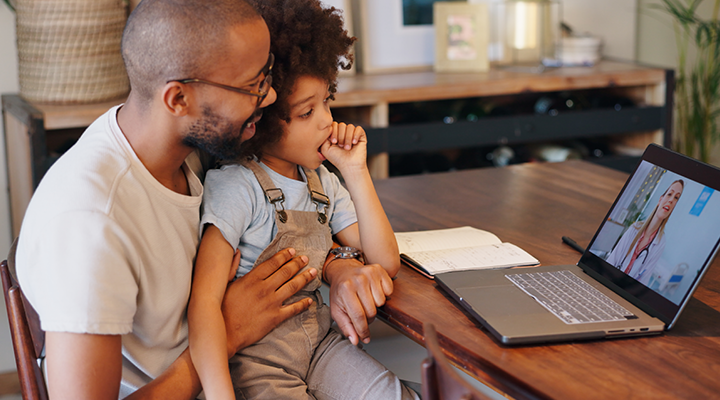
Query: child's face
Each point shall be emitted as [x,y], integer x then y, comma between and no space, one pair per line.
[309,127]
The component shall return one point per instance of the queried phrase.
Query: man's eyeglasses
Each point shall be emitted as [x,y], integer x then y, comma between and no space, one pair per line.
[262,91]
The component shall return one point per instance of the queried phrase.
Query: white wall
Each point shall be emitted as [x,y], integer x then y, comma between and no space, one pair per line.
[656,39]
[8,84]
[614,21]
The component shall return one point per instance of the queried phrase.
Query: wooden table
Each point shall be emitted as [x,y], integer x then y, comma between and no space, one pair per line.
[532,206]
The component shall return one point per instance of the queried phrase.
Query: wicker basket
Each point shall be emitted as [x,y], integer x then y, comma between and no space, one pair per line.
[69,50]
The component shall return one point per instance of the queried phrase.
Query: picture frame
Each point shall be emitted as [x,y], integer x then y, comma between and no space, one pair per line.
[385,44]
[462,35]
[347,13]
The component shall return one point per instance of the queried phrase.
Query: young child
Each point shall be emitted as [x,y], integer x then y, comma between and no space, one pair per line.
[278,196]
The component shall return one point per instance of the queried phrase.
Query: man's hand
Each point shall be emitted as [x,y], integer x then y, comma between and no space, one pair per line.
[253,304]
[356,290]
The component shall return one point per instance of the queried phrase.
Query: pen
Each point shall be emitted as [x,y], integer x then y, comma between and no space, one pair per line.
[572,244]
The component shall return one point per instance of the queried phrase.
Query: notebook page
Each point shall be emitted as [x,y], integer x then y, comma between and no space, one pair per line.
[465,236]
[502,255]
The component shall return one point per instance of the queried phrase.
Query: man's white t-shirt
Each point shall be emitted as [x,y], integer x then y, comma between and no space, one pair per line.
[106,249]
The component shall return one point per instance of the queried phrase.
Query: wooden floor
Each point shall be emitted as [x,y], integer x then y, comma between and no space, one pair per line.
[9,384]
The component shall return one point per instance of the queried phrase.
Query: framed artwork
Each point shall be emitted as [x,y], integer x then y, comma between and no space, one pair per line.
[347,13]
[462,34]
[420,12]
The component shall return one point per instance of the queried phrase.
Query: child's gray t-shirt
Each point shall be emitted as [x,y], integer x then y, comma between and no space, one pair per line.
[234,202]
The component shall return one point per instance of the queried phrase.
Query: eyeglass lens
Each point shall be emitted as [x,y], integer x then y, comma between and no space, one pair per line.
[267,82]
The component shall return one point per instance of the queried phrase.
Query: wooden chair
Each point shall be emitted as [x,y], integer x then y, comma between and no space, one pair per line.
[27,336]
[439,380]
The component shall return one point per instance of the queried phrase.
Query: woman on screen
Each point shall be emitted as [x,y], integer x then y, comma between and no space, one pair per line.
[641,246]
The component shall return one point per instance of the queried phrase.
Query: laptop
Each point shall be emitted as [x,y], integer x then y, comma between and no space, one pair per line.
[636,276]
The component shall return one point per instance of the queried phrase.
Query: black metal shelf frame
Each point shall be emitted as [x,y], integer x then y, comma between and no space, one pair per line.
[408,138]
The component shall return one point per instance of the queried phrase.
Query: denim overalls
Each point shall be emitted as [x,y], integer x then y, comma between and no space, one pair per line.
[303,358]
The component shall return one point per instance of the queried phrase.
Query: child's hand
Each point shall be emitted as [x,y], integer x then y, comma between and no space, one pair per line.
[346,147]
[346,136]
[356,291]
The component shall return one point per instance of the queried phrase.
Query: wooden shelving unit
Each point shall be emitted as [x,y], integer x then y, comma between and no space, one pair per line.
[366,99]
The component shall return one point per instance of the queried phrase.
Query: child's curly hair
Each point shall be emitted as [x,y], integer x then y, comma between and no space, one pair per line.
[307,40]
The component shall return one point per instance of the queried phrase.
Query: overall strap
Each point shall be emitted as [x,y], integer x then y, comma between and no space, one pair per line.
[317,195]
[274,195]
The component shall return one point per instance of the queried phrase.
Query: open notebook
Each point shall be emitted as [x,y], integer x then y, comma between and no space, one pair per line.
[458,249]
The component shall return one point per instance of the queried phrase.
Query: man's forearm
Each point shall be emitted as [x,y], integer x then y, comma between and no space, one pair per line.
[179,381]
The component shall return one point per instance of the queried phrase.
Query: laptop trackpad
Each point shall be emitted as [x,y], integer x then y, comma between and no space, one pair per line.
[491,301]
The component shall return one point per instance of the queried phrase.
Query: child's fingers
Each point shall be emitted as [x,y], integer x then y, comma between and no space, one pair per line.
[341,132]
[349,137]
[352,136]
[346,135]
[358,133]
[333,133]
[325,147]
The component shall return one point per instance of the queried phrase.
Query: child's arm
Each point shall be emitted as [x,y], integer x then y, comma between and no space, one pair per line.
[208,338]
[357,290]
[372,233]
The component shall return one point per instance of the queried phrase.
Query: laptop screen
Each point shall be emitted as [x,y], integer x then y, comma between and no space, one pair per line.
[660,235]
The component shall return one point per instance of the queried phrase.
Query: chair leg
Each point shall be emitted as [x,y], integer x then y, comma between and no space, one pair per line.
[429,380]
[28,369]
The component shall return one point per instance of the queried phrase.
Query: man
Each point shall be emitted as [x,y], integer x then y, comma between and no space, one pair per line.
[107,245]
[109,239]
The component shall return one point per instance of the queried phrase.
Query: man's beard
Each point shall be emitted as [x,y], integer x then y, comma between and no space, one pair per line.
[216,136]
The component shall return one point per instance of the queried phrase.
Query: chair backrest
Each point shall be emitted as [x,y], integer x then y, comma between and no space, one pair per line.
[439,380]
[27,336]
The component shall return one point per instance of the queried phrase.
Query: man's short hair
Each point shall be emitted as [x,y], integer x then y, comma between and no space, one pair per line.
[177,39]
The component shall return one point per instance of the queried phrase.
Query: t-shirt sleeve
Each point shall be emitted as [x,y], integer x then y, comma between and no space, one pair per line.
[343,209]
[83,280]
[226,203]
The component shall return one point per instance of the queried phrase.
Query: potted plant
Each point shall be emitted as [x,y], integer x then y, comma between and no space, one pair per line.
[697,89]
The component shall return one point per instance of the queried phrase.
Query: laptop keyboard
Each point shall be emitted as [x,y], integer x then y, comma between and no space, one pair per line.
[570,298]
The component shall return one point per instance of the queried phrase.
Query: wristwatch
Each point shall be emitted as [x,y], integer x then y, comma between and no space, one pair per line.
[346,252]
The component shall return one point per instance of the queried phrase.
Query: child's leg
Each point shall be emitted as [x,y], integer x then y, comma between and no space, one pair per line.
[277,365]
[255,379]
[343,371]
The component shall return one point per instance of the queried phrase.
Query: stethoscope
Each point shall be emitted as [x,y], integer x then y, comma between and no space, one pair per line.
[644,257]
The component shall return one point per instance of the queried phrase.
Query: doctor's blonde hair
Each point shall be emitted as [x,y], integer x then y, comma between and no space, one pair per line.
[646,222]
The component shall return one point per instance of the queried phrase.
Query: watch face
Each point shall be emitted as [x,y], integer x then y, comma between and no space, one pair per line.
[346,252]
